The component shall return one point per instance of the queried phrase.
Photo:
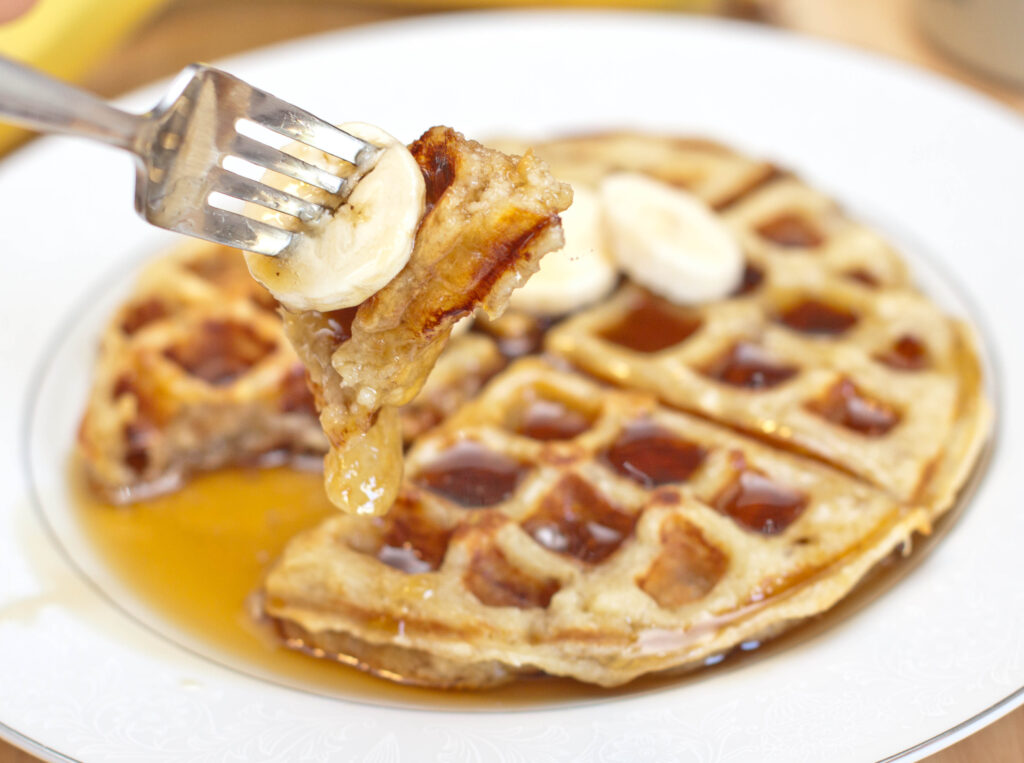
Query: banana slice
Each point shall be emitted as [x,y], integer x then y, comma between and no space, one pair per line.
[669,240]
[578,274]
[343,259]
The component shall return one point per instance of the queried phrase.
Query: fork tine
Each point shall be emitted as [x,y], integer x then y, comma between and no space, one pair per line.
[235,230]
[266,156]
[246,189]
[284,118]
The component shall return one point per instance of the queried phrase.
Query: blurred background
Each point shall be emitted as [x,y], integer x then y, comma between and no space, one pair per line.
[114,46]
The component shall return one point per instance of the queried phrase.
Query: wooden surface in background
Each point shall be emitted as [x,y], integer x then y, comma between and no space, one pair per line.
[191,30]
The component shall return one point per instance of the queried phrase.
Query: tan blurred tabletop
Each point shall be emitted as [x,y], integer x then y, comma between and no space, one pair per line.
[191,30]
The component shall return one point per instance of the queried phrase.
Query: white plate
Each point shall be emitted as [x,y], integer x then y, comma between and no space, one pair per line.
[934,658]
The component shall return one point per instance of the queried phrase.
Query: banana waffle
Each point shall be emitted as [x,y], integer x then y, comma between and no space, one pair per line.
[820,415]
[195,373]
[554,524]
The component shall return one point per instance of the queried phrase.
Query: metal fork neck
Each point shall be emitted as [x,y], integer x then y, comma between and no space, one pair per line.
[35,100]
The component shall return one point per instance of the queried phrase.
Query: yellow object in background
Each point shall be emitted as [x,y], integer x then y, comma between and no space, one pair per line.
[66,38]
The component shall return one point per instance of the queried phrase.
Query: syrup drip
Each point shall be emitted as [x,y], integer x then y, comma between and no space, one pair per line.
[791,230]
[814,317]
[651,325]
[758,503]
[848,407]
[471,475]
[220,352]
[687,568]
[575,520]
[749,366]
[545,419]
[908,353]
[652,456]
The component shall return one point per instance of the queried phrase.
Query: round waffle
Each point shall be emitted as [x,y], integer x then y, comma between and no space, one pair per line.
[819,416]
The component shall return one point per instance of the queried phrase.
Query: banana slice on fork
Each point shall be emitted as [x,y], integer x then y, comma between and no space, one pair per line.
[351,254]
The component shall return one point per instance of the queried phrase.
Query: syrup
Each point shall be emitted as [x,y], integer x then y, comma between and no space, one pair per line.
[411,541]
[848,407]
[814,317]
[688,567]
[750,280]
[791,231]
[221,352]
[758,503]
[573,519]
[142,313]
[653,456]
[546,419]
[908,353]
[749,366]
[472,475]
[193,560]
[496,582]
[651,325]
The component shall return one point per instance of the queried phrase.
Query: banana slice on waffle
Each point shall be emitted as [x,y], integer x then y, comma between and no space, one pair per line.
[557,525]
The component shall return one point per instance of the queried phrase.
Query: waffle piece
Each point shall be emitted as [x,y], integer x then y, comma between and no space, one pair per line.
[557,525]
[195,373]
[489,219]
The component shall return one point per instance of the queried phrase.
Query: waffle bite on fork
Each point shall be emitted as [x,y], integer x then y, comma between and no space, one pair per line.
[489,219]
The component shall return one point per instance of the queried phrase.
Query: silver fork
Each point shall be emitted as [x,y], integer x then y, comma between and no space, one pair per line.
[181,146]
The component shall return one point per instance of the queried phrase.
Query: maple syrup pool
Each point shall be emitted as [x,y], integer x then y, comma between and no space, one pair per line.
[195,559]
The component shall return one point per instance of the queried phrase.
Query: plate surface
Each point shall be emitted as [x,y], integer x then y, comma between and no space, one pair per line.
[934,658]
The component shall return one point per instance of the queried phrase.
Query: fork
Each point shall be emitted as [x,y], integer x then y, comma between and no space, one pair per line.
[183,144]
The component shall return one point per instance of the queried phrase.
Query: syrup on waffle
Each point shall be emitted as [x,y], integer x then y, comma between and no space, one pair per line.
[554,524]
[819,417]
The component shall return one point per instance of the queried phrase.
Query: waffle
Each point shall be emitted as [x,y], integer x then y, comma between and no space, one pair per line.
[194,373]
[557,525]
[662,484]
[489,219]
[667,482]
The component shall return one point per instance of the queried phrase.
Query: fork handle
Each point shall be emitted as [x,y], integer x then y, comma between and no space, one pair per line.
[33,99]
